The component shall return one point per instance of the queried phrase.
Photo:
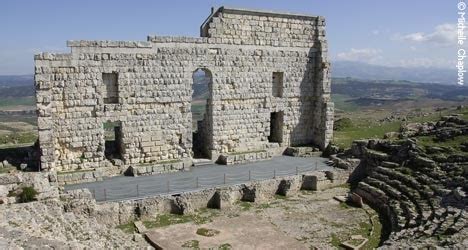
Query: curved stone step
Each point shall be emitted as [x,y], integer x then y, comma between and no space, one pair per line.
[405,209]
[424,207]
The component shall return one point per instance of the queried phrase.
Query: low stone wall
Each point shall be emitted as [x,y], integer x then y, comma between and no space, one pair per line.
[151,169]
[120,212]
[303,152]
[73,177]
[242,158]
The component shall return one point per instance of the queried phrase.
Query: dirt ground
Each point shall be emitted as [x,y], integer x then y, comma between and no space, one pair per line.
[306,221]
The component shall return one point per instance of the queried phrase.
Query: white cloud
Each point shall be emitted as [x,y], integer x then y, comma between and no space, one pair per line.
[368,55]
[376,32]
[444,34]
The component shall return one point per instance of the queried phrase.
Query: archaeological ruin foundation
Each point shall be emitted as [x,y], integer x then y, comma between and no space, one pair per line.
[269,88]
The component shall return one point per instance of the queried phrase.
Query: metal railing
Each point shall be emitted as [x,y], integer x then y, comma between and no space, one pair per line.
[193,183]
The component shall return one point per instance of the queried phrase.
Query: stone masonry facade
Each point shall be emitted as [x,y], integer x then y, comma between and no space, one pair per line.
[269,89]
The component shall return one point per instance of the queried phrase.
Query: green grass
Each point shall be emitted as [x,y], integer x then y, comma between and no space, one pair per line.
[367,128]
[335,241]
[225,246]
[18,138]
[464,113]
[12,223]
[264,206]
[374,239]
[364,229]
[245,205]
[280,197]
[344,205]
[346,136]
[344,185]
[28,194]
[201,216]
[164,220]
[194,244]
[128,227]
[207,232]
[342,123]
[342,104]
[429,141]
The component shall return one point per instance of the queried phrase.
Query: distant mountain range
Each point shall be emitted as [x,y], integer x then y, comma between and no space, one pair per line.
[375,72]
[340,69]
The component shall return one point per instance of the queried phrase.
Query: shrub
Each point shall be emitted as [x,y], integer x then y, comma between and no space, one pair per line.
[27,194]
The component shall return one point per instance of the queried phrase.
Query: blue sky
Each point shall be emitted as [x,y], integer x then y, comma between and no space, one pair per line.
[393,32]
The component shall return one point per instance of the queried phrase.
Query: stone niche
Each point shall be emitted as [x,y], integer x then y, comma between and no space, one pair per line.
[269,88]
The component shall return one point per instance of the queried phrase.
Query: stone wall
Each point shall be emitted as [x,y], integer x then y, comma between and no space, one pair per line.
[120,212]
[11,186]
[154,88]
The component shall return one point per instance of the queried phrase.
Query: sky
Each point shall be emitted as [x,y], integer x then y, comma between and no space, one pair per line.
[390,33]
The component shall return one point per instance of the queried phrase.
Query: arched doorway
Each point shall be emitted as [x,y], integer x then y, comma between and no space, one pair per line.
[201,121]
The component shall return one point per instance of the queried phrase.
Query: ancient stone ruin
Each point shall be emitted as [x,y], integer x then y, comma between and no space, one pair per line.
[269,88]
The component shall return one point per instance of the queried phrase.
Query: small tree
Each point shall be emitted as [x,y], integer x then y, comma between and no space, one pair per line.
[27,194]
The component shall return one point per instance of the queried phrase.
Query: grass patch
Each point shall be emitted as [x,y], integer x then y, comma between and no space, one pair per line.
[225,246]
[335,241]
[342,123]
[192,244]
[280,197]
[12,223]
[18,138]
[264,206]
[347,135]
[204,215]
[374,239]
[201,216]
[245,205]
[464,113]
[344,205]
[127,227]
[207,232]
[344,185]
[28,194]
[430,141]
[364,229]
[343,102]
[164,220]
[364,127]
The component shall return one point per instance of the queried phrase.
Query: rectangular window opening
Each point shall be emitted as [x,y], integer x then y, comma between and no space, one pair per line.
[277,88]
[111,87]
[276,127]
[113,140]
